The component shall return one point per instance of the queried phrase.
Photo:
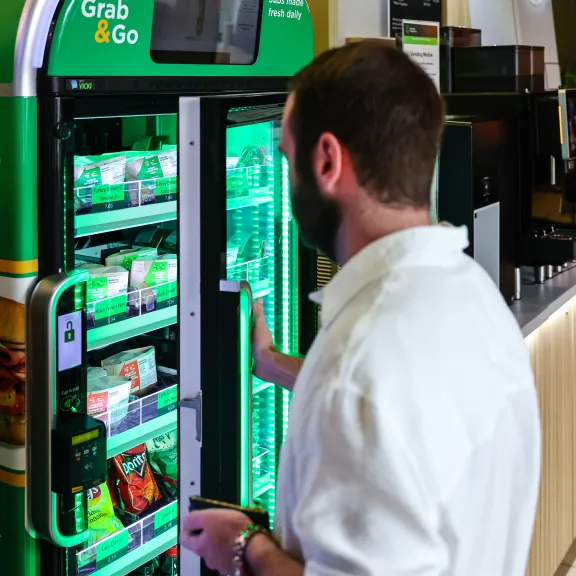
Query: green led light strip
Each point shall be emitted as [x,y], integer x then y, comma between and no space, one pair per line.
[245,401]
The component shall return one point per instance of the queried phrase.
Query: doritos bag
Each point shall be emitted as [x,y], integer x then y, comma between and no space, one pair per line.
[137,486]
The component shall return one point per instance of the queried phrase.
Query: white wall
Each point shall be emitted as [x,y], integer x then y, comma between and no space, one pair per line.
[361,18]
[528,22]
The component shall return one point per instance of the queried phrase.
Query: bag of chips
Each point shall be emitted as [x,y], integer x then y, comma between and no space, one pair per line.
[163,455]
[136,483]
[101,519]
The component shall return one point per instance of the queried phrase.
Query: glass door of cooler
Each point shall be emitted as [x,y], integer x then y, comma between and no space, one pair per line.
[103,382]
[240,245]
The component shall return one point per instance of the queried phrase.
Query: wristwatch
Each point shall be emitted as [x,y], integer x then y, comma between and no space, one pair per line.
[240,545]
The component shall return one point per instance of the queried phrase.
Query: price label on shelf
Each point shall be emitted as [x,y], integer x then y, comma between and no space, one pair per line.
[166,189]
[111,549]
[167,294]
[167,400]
[107,198]
[165,519]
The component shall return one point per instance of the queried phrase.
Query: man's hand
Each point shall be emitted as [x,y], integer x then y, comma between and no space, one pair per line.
[270,365]
[215,543]
[262,343]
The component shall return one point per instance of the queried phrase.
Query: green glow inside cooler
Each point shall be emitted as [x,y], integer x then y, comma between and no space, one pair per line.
[262,249]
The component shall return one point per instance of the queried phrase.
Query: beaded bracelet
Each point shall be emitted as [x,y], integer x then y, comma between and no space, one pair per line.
[240,545]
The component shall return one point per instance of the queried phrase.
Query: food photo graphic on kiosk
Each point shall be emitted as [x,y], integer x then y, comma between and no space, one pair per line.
[394,462]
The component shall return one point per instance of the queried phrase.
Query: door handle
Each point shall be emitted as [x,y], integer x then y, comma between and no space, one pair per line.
[196,405]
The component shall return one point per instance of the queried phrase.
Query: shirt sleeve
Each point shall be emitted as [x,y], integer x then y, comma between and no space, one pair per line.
[363,508]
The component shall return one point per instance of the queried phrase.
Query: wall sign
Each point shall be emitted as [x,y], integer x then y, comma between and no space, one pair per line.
[421,41]
[421,10]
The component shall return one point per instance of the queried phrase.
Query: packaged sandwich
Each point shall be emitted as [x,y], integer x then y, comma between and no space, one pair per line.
[99,185]
[106,295]
[125,258]
[152,177]
[157,280]
[135,481]
[108,394]
[101,519]
[139,365]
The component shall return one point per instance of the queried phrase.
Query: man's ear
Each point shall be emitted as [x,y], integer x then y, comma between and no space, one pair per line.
[327,159]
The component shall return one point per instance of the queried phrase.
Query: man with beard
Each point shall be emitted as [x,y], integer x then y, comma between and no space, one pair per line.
[414,439]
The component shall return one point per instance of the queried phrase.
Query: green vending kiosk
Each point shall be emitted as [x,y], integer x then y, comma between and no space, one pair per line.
[146,207]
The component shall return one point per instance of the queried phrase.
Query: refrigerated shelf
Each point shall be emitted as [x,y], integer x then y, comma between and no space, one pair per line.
[132,327]
[87,224]
[128,205]
[144,418]
[132,547]
[256,197]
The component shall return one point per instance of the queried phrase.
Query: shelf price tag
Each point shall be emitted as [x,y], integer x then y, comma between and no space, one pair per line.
[165,519]
[111,549]
[166,189]
[107,198]
[167,400]
[167,295]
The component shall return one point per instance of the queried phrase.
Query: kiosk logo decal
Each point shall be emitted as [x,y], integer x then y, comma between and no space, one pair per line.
[107,14]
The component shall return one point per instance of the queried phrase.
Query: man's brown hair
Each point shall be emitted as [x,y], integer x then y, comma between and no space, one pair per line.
[382,107]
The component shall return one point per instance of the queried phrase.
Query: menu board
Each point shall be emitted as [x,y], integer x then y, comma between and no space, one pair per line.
[420,10]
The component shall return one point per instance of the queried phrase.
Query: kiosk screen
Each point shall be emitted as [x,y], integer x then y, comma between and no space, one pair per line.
[206,31]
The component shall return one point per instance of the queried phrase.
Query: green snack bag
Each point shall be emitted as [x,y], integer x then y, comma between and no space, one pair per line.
[101,519]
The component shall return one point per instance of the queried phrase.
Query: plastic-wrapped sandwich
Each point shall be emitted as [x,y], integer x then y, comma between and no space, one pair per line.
[151,175]
[139,365]
[107,174]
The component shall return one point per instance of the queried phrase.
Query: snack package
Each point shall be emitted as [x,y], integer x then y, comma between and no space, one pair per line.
[151,177]
[106,295]
[139,365]
[163,456]
[171,242]
[99,185]
[101,519]
[156,278]
[108,393]
[151,237]
[97,254]
[125,258]
[237,248]
[135,481]
[96,372]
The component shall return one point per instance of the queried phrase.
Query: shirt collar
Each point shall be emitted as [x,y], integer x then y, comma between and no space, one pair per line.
[414,247]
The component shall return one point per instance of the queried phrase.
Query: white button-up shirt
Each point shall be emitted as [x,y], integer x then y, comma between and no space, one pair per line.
[414,438]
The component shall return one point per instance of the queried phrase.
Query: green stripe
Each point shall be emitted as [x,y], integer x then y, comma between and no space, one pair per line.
[8,275]
[420,40]
[6,469]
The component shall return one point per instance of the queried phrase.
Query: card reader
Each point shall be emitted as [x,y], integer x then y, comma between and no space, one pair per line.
[78,455]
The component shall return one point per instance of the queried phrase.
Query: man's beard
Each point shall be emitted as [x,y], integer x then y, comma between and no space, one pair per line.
[318,218]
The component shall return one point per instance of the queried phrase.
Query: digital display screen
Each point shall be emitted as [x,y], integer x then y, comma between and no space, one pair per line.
[422,10]
[69,340]
[206,31]
[86,437]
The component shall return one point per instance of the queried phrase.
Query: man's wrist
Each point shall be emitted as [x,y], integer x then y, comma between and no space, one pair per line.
[259,554]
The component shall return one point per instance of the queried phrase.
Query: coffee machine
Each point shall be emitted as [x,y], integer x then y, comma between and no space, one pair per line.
[551,208]
[475,177]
